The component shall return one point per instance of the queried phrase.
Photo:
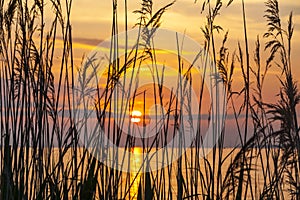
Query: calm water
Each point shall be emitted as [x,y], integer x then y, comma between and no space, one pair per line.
[165,180]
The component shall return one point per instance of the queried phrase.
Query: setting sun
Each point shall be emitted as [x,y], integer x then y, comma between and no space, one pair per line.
[136,116]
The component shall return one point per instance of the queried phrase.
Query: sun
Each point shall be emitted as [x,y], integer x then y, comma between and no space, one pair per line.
[136,116]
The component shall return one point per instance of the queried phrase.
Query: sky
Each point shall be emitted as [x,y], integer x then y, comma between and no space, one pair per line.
[92,21]
[93,18]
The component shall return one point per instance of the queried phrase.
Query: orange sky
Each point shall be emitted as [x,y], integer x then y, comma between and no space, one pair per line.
[92,19]
[91,22]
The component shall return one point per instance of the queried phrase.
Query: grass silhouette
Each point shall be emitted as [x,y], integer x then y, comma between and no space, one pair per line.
[41,155]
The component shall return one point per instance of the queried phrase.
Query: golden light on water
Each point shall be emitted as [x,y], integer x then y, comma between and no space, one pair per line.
[135,175]
[137,150]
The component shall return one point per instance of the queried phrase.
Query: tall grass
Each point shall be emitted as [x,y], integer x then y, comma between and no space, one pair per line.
[41,154]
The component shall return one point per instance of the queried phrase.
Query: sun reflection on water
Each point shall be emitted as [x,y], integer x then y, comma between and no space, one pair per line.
[135,174]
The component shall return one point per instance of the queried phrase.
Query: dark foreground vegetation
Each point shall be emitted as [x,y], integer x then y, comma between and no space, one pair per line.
[41,156]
